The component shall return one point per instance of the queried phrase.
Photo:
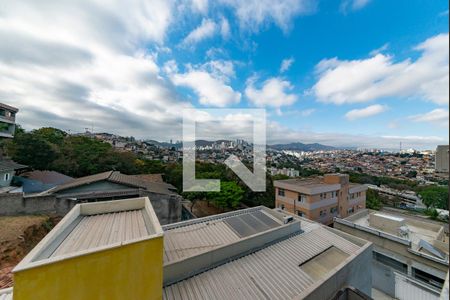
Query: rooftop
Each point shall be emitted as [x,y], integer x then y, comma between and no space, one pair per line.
[307,186]
[147,182]
[424,237]
[9,165]
[8,107]
[252,254]
[92,227]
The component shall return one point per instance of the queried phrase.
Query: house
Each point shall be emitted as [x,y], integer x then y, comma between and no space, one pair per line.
[39,181]
[7,120]
[7,171]
[114,185]
[320,198]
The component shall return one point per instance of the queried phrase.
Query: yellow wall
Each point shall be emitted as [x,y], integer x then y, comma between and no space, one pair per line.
[133,271]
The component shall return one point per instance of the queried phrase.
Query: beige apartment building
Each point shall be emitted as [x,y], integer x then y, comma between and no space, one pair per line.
[320,198]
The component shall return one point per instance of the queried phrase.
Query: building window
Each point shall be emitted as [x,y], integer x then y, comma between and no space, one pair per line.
[300,214]
[351,210]
[7,176]
[281,192]
[428,278]
[390,262]
[333,210]
[301,198]
[282,206]
[323,213]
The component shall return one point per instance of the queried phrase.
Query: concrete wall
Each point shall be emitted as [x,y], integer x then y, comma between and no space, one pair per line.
[16,204]
[167,207]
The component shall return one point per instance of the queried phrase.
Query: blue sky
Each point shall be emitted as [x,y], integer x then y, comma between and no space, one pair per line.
[360,73]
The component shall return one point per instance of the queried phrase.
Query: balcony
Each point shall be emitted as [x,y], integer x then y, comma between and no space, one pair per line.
[6,129]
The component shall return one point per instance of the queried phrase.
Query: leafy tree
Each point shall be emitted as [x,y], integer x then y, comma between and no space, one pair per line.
[230,195]
[33,150]
[280,177]
[434,196]
[373,200]
[51,135]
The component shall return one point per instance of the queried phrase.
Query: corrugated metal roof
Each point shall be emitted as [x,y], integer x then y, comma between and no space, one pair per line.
[270,273]
[207,234]
[104,229]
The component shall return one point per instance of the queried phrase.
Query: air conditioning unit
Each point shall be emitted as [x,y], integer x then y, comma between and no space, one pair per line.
[287,219]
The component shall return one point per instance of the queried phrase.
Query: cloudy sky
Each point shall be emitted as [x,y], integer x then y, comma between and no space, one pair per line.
[361,73]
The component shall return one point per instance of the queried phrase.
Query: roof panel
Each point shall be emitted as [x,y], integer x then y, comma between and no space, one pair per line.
[270,273]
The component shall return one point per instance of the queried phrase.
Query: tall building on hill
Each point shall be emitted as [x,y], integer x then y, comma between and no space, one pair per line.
[442,159]
[7,120]
[320,198]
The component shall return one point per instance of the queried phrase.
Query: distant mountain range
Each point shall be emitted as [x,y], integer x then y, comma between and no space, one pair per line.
[301,147]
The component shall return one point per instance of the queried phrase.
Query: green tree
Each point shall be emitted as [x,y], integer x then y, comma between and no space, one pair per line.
[434,196]
[230,195]
[33,150]
[373,200]
[51,135]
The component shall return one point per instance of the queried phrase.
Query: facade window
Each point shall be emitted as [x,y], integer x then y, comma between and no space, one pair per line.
[428,278]
[301,198]
[282,206]
[300,214]
[390,262]
[333,210]
[281,192]
[323,213]
[7,176]
[351,210]
[324,195]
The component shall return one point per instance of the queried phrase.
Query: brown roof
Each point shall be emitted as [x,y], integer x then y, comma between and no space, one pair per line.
[117,177]
[151,177]
[48,177]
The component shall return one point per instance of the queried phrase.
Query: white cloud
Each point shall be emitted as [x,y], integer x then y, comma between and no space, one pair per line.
[286,64]
[354,81]
[253,14]
[87,64]
[352,5]
[209,82]
[275,92]
[365,112]
[205,30]
[379,50]
[200,6]
[437,116]
[225,30]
